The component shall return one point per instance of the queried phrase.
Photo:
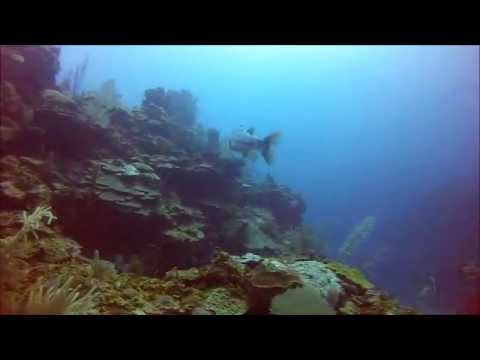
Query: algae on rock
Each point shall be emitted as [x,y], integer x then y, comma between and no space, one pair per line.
[221,302]
[350,274]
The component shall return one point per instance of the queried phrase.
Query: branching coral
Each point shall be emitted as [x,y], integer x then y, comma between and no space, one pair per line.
[32,222]
[58,299]
[360,232]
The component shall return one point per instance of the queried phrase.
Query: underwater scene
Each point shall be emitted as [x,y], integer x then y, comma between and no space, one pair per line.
[239,180]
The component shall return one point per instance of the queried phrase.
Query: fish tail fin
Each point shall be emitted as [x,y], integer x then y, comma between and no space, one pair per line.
[268,143]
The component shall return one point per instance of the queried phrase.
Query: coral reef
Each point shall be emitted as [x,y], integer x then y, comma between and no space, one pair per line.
[153,186]
[227,285]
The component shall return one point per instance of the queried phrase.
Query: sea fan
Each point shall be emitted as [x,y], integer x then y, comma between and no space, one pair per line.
[360,233]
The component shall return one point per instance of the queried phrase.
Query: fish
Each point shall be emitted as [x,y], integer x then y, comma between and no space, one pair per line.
[248,144]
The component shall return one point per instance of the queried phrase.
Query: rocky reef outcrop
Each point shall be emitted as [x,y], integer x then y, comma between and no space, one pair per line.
[286,206]
[31,68]
[179,227]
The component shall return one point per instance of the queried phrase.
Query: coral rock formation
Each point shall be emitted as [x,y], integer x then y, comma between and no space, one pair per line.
[147,184]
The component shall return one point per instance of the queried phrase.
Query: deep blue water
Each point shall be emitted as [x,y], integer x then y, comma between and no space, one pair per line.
[383,131]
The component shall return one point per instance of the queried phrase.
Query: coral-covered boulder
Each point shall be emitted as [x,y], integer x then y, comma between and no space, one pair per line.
[271,274]
[305,300]
[251,229]
[222,301]
[374,302]
[197,178]
[20,183]
[11,104]
[130,187]
[58,103]
[9,130]
[66,131]
[15,116]
[268,279]
[179,106]
[319,276]
[248,259]
[353,280]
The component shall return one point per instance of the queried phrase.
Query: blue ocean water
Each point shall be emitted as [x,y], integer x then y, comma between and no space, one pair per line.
[390,132]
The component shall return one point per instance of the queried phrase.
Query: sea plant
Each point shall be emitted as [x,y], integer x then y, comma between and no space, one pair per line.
[33,222]
[58,299]
[136,266]
[72,82]
[102,269]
